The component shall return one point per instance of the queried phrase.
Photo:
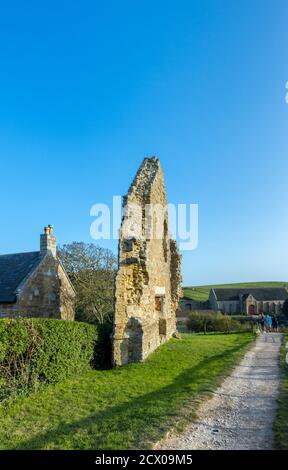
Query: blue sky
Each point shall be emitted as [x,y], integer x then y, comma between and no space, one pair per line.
[87,89]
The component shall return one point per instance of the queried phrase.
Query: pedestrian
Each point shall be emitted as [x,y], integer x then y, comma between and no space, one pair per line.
[267,323]
[261,322]
[275,324]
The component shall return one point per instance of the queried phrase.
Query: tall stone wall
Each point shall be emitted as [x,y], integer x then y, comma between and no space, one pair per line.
[148,283]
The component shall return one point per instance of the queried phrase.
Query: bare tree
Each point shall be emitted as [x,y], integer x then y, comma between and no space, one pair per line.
[92,270]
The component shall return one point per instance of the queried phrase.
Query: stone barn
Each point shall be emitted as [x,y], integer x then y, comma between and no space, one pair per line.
[248,301]
[148,282]
[35,284]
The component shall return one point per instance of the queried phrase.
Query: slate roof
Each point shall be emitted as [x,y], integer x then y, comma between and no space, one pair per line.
[13,270]
[259,293]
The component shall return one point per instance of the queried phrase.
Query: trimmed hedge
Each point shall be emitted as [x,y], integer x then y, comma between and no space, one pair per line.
[42,351]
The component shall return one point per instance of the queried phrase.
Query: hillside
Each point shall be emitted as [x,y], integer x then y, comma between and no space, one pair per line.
[201,293]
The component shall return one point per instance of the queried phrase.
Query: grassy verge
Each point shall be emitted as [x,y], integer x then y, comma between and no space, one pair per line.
[281,425]
[130,407]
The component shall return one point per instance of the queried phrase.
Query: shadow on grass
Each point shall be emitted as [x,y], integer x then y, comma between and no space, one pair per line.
[140,421]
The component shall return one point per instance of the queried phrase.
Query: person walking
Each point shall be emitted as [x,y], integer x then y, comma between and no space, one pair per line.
[267,323]
[262,322]
[275,324]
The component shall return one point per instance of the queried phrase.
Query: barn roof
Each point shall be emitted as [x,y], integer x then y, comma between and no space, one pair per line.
[259,293]
[13,270]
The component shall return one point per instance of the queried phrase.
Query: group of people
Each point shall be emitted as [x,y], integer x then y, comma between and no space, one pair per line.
[268,323]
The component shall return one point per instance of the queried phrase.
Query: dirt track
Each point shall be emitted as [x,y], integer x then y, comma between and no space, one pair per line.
[241,413]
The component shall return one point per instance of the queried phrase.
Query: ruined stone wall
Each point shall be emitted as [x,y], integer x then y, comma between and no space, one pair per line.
[176,275]
[148,283]
[46,293]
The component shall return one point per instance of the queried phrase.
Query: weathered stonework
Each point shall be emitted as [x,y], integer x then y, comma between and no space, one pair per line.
[148,283]
[46,291]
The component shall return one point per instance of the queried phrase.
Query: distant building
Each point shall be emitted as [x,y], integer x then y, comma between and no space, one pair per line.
[186,303]
[186,307]
[35,284]
[251,301]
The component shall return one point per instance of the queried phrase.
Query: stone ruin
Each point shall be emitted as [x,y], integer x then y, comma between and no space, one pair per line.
[148,282]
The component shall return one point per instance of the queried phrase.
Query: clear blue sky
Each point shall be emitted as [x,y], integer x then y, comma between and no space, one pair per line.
[87,89]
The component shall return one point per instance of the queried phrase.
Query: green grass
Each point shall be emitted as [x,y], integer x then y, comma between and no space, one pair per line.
[130,407]
[201,293]
[281,425]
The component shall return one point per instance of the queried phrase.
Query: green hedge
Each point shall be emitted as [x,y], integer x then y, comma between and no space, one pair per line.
[210,322]
[35,351]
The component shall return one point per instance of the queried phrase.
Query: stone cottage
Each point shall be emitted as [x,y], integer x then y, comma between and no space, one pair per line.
[35,284]
[148,283]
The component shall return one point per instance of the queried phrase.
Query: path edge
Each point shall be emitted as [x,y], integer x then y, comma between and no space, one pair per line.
[189,412]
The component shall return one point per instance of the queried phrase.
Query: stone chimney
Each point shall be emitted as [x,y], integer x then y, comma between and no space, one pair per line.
[48,242]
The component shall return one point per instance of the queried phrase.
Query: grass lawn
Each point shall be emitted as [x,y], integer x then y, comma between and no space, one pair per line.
[129,407]
[281,425]
[201,293]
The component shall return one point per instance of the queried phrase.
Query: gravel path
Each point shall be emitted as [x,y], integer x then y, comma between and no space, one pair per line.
[241,413]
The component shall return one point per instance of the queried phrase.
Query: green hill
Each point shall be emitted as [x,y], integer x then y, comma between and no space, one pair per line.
[201,293]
